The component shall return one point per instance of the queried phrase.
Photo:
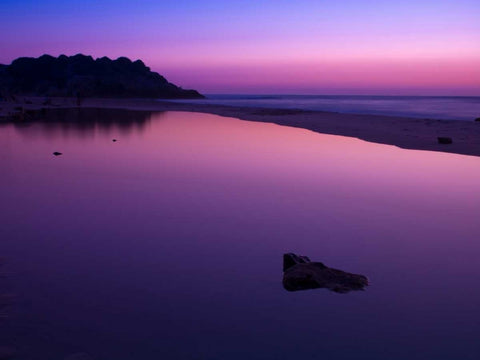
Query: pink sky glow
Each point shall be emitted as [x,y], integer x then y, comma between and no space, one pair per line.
[418,47]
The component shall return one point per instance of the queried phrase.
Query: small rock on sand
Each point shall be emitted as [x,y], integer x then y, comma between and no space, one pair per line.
[444,140]
[56,153]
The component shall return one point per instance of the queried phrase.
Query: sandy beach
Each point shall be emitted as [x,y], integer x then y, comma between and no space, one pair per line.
[407,133]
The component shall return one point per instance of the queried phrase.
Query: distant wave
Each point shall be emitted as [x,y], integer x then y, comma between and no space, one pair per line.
[431,107]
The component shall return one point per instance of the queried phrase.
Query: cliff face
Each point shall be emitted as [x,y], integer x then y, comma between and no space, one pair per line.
[81,75]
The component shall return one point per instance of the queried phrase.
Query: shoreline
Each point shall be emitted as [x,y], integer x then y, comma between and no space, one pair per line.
[403,132]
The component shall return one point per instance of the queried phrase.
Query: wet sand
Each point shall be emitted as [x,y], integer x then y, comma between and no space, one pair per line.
[407,133]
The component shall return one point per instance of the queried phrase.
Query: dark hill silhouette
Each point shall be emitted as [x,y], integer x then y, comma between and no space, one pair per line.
[81,75]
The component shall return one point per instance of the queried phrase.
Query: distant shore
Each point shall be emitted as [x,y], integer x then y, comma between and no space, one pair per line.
[407,133]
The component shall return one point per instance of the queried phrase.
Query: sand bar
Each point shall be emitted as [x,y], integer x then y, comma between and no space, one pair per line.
[407,133]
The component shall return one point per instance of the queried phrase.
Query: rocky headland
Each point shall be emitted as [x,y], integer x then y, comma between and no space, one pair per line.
[83,76]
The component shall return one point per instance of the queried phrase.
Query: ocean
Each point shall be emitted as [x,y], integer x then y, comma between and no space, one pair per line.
[428,107]
[168,242]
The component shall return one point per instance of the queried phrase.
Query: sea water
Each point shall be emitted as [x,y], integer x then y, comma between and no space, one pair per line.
[168,243]
[430,107]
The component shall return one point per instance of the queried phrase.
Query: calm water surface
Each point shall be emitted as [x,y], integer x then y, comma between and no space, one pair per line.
[433,107]
[167,244]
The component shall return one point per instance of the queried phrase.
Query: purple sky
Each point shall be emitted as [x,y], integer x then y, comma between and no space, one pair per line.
[328,47]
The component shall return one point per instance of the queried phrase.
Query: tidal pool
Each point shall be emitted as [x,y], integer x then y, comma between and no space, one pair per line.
[168,243]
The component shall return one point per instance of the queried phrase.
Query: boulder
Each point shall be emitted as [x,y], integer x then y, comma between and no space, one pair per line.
[477,119]
[299,273]
[56,153]
[444,140]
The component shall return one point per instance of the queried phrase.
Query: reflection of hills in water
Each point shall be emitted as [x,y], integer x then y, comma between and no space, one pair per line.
[83,122]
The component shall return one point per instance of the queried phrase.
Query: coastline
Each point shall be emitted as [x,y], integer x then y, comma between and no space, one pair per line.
[403,132]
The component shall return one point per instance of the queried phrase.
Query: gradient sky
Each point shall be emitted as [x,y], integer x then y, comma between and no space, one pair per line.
[421,47]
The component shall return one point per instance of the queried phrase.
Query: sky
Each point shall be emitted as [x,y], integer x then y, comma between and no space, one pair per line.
[420,47]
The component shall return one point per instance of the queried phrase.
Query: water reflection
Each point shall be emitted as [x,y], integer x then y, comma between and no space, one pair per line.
[84,122]
[168,243]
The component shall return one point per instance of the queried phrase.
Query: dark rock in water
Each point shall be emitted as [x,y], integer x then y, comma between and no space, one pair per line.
[56,153]
[477,119]
[444,140]
[299,273]
[82,76]
[291,259]
[114,140]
